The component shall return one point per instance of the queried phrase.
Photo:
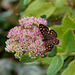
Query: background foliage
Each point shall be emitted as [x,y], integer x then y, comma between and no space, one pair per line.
[60,15]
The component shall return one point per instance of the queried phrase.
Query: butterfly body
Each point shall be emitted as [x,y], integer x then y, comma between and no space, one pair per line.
[49,37]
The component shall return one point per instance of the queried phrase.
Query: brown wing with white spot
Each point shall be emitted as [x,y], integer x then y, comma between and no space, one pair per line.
[52,33]
[56,42]
[44,30]
[48,45]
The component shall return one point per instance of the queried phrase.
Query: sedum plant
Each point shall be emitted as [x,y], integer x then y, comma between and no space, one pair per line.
[25,41]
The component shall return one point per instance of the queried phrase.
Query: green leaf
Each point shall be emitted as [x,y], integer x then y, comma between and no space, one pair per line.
[43,16]
[68,42]
[74,42]
[67,23]
[55,65]
[70,69]
[26,2]
[61,10]
[46,60]
[60,3]
[35,5]
[59,49]
[26,58]
[73,14]
[53,52]
[39,8]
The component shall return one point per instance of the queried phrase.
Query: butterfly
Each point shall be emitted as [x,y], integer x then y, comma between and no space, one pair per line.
[49,37]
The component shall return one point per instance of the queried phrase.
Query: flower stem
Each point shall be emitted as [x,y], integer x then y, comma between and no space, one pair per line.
[72,54]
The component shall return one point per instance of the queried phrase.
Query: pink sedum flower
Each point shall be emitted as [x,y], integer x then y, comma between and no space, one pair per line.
[26,38]
[27,22]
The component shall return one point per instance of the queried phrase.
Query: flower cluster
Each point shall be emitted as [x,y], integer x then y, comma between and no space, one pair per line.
[27,22]
[26,38]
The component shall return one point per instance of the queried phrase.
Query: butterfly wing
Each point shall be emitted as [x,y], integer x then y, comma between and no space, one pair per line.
[48,45]
[53,36]
[44,30]
[52,33]
[54,41]
[46,33]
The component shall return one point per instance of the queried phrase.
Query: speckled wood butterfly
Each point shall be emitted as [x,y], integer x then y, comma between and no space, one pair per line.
[49,37]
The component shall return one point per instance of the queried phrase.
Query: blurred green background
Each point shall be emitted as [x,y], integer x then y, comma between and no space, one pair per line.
[11,11]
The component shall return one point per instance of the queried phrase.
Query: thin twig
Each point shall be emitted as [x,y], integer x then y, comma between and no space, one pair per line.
[72,54]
